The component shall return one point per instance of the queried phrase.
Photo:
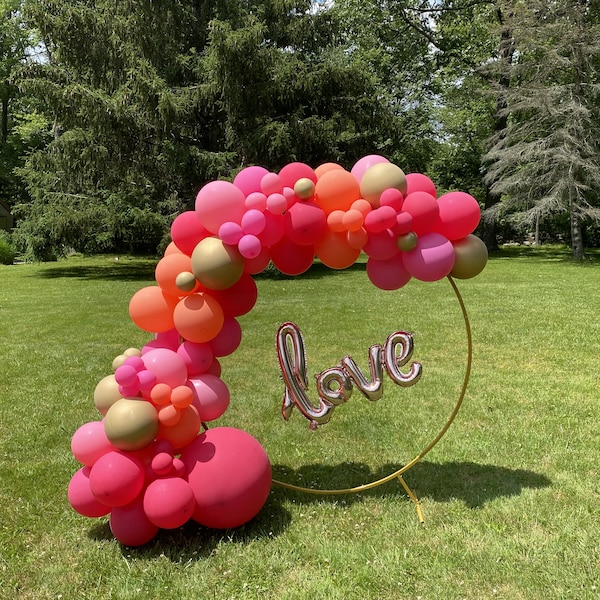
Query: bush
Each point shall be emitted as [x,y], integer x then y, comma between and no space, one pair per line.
[7,250]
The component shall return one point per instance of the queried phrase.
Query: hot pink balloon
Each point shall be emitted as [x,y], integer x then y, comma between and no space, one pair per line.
[248,179]
[459,215]
[417,182]
[380,219]
[218,202]
[388,274]
[187,231]
[211,396]
[432,259]
[130,525]
[169,502]
[117,478]
[249,246]
[305,223]
[81,497]
[197,357]
[366,162]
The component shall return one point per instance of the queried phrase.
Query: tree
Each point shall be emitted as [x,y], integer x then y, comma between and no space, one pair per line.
[546,160]
[151,100]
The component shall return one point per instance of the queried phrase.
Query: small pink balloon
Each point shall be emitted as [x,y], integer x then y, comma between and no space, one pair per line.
[256,201]
[391,197]
[230,233]
[211,396]
[432,258]
[380,219]
[146,380]
[249,246]
[277,204]
[169,502]
[404,223]
[126,375]
[253,222]
[366,162]
[162,463]
[248,179]
[271,184]
[89,443]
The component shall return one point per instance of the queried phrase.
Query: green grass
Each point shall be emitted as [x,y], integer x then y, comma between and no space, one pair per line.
[510,495]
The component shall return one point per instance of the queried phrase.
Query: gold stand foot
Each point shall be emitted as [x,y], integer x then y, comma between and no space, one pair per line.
[415,500]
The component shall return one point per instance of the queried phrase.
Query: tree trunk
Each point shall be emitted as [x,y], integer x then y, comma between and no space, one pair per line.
[576,237]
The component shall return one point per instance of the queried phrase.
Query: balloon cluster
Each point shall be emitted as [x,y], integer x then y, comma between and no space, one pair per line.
[152,462]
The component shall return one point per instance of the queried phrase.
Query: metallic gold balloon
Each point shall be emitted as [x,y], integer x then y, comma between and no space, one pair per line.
[408,241]
[304,188]
[379,178]
[216,265]
[106,393]
[131,424]
[471,257]
[186,281]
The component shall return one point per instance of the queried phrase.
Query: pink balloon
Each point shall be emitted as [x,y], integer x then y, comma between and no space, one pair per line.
[228,339]
[380,219]
[238,473]
[130,525]
[230,233]
[305,223]
[404,223]
[273,231]
[211,396]
[89,443]
[253,222]
[249,246]
[294,171]
[116,478]
[417,182]
[81,498]
[163,339]
[424,210]
[187,231]
[259,263]
[248,179]
[271,184]
[218,202]
[391,197]
[169,502]
[388,274]
[238,299]
[197,357]
[167,365]
[432,259]
[361,166]
[256,201]
[459,215]
[277,204]
[291,258]
[381,246]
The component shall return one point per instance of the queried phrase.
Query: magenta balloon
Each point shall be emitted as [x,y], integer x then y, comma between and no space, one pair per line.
[388,274]
[381,246]
[380,219]
[228,339]
[167,365]
[417,182]
[130,525]
[248,179]
[432,258]
[391,197]
[361,166]
[404,223]
[249,246]
[89,443]
[459,215]
[230,233]
[169,502]
[238,299]
[424,210]
[291,258]
[273,231]
[117,478]
[305,223]
[230,474]
[218,202]
[253,222]
[197,357]
[211,396]
[294,171]
[187,231]
[81,498]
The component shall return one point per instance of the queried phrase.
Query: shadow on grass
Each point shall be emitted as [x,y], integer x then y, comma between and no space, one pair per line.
[472,483]
[544,253]
[136,270]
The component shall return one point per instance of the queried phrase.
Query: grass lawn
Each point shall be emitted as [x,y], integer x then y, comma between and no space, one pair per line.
[510,495]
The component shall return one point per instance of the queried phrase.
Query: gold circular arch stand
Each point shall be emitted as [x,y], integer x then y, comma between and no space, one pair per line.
[398,474]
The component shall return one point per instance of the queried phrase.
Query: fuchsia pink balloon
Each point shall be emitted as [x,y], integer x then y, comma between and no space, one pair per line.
[248,179]
[116,478]
[432,259]
[459,215]
[211,396]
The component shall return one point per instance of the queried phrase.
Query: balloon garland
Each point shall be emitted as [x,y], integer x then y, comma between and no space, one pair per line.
[152,462]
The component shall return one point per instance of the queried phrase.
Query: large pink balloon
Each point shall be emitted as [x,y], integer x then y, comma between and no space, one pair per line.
[169,502]
[248,179]
[197,357]
[459,215]
[187,231]
[130,525]
[432,258]
[424,210]
[294,171]
[381,246]
[89,443]
[211,396]
[81,497]
[388,274]
[230,474]
[238,299]
[366,162]
[305,223]
[117,478]
[228,339]
[291,258]
[218,202]
[167,366]
[417,182]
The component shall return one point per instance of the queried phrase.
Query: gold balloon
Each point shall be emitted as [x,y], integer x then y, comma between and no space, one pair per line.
[471,257]
[131,424]
[186,281]
[304,188]
[408,241]
[118,361]
[216,265]
[106,393]
[379,178]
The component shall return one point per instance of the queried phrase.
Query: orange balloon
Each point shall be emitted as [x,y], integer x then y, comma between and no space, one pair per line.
[152,310]
[336,190]
[325,167]
[172,249]
[357,239]
[353,220]
[167,270]
[333,251]
[198,317]
[335,220]
[184,432]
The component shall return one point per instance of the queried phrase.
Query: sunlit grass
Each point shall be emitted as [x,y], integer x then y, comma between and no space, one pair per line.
[510,495]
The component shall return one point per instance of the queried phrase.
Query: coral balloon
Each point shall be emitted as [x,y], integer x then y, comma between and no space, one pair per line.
[291,258]
[388,274]
[187,231]
[131,424]
[130,525]
[336,190]
[216,265]
[167,270]
[379,178]
[116,479]
[470,257]
[184,432]
[305,223]
[239,472]
[152,310]
[169,502]
[218,202]
[81,498]
[333,251]
[424,210]
[432,258]
[89,443]
[322,169]
[198,318]
[211,396]
[459,215]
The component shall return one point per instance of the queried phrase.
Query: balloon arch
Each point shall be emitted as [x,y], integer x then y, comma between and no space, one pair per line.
[151,462]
